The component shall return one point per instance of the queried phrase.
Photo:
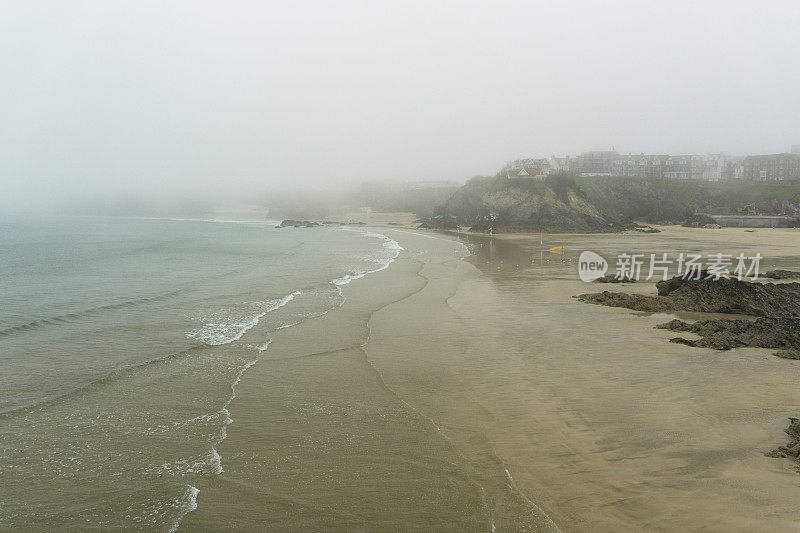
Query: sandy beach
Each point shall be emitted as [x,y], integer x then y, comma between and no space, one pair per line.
[473,392]
[602,421]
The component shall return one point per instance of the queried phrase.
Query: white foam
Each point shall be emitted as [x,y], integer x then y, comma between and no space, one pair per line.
[389,244]
[216,461]
[187,505]
[232,329]
[264,346]
[211,463]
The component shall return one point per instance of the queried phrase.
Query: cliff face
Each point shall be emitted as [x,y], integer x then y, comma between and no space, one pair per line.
[555,204]
[563,203]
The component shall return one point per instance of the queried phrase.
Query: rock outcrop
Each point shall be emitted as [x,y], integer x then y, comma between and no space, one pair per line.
[289,223]
[782,334]
[710,296]
[781,274]
[555,204]
[792,449]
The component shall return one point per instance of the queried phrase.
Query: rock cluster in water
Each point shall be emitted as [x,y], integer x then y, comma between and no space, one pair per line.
[289,223]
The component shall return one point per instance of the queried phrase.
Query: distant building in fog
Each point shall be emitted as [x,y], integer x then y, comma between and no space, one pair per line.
[772,167]
[706,167]
[528,168]
[599,163]
[535,173]
[559,164]
[709,167]
[645,166]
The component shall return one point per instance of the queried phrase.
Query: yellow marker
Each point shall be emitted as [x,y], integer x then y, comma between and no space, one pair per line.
[557,249]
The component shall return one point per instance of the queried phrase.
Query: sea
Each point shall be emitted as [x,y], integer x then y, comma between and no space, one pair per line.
[122,343]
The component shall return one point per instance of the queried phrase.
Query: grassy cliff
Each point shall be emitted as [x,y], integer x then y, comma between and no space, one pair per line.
[565,203]
[555,204]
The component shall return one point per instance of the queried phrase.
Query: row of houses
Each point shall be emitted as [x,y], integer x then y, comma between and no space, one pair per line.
[711,167]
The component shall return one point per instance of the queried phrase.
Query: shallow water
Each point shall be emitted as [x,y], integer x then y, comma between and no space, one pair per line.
[123,343]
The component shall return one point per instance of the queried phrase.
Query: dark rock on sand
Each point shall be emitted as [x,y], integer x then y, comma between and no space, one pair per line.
[439,222]
[613,278]
[792,449]
[646,229]
[781,274]
[637,302]
[289,223]
[782,334]
[778,305]
[700,221]
[709,296]
[732,296]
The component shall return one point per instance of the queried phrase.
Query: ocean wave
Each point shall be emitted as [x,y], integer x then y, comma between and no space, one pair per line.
[225,328]
[77,315]
[85,387]
[388,244]
[210,463]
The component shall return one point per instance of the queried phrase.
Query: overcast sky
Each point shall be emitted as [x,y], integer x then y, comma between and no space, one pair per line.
[108,97]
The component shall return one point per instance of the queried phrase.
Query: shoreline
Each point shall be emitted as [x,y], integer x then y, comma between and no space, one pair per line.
[322,439]
[547,410]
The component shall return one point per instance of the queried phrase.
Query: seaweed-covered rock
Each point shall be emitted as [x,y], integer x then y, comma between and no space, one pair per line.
[782,334]
[637,302]
[781,274]
[792,449]
[709,296]
[777,305]
[732,296]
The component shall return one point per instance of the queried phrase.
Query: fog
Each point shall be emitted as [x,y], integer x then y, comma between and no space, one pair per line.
[129,102]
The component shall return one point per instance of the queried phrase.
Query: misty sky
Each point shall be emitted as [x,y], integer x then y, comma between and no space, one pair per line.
[107,97]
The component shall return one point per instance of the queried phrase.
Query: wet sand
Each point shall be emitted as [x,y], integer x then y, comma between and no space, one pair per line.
[321,441]
[453,394]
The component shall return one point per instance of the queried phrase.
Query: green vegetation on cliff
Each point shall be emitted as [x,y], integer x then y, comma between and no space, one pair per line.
[556,203]
[672,201]
[565,203]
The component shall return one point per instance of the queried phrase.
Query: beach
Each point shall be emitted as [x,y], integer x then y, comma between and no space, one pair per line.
[473,392]
[381,378]
[327,432]
[606,424]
